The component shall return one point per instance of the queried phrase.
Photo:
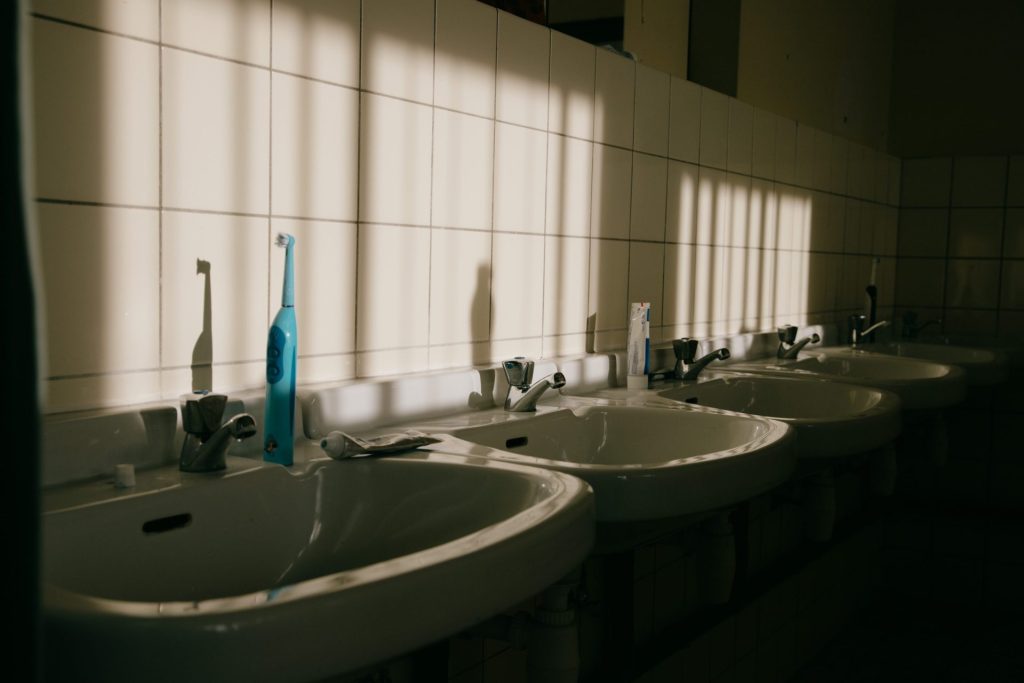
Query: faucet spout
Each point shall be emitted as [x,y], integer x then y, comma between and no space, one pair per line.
[857,334]
[687,367]
[523,392]
[206,442]
[792,351]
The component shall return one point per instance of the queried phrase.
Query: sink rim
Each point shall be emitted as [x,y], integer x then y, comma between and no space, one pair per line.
[566,493]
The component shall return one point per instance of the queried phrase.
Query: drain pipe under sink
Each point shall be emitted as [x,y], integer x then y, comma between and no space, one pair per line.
[550,635]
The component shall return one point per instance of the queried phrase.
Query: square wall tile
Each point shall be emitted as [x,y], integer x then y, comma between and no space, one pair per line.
[216,134]
[520,172]
[394,161]
[566,285]
[922,232]
[460,286]
[398,49]
[681,203]
[857,184]
[741,135]
[140,18]
[979,181]
[739,211]
[571,90]
[392,361]
[713,204]
[462,167]
[822,174]
[687,290]
[714,128]
[839,160]
[763,145]
[926,182]
[210,263]
[317,38]
[684,120]
[1012,295]
[464,56]
[1013,242]
[973,283]
[109,150]
[236,30]
[1015,182]
[325,283]
[609,282]
[785,150]
[975,232]
[393,309]
[805,136]
[964,321]
[650,132]
[101,288]
[570,162]
[615,84]
[524,51]
[315,146]
[517,286]
[100,391]
[646,266]
[647,212]
[610,200]
[895,173]
[881,177]
[919,282]
[763,215]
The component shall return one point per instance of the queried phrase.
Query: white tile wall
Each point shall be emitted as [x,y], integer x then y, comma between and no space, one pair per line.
[318,39]
[514,190]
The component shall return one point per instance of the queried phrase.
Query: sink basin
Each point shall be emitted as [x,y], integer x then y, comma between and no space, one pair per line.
[983,366]
[831,419]
[920,385]
[644,463]
[334,567]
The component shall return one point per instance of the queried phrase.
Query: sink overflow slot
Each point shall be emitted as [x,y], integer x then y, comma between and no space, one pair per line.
[517,441]
[692,399]
[164,524]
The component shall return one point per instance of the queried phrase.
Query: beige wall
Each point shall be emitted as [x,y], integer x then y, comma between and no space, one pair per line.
[657,32]
[957,75]
[827,64]
[490,190]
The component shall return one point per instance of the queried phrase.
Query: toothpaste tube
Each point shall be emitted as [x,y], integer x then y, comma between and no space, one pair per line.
[638,344]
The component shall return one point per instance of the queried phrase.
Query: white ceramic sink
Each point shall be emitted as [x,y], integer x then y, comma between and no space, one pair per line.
[337,566]
[644,463]
[831,419]
[983,366]
[919,384]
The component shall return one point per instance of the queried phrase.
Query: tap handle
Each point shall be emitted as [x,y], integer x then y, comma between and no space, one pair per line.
[685,349]
[518,372]
[201,414]
[787,333]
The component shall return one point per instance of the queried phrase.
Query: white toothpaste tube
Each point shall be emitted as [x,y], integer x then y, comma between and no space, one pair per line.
[638,344]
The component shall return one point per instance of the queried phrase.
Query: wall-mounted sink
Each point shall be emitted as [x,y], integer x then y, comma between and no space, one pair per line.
[983,366]
[333,567]
[920,385]
[644,463]
[831,419]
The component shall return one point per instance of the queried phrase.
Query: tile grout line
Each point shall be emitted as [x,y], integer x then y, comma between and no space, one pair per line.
[430,193]
[160,193]
[494,191]
[359,194]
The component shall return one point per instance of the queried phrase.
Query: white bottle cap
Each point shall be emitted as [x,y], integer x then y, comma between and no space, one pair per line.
[637,382]
[124,476]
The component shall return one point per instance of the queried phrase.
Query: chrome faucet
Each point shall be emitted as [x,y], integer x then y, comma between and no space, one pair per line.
[687,367]
[206,438]
[519,373]
[788,346]
[910,329]
[856,334]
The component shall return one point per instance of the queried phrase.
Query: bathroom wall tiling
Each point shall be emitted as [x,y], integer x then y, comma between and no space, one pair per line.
[464,185]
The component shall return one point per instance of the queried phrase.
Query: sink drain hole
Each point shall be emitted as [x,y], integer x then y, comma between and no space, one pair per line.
[517,441]
[165,524]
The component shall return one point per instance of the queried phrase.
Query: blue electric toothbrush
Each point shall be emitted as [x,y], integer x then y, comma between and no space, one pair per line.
[282,343]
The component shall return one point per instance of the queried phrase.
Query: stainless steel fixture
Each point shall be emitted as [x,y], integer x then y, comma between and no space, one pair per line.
[788,346]
[910,329]
[523,394]
[687,365]
[856,334]
[206,438]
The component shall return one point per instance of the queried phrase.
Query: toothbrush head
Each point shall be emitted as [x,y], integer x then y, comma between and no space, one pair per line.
[284,240]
